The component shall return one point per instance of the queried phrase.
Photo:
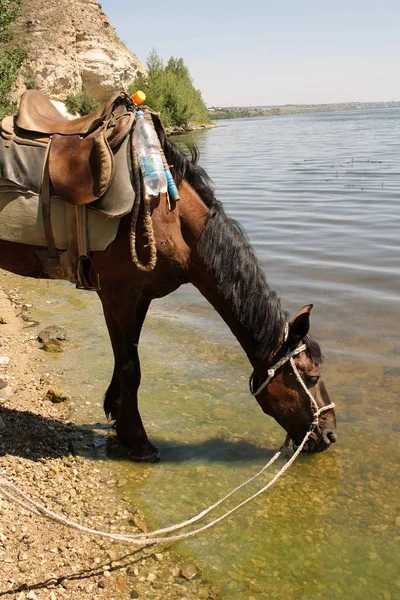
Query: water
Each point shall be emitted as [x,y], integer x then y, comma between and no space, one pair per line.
[318,197]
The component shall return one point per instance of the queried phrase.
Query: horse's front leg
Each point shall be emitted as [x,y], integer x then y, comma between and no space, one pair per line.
[124,315]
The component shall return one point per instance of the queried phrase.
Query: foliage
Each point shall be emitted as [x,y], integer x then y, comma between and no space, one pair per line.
[82,103]
[169,90]
[11,56]
[9,11]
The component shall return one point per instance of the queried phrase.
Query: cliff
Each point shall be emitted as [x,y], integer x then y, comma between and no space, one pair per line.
[71,45]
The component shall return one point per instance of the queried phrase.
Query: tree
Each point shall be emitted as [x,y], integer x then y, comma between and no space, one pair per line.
[170,91]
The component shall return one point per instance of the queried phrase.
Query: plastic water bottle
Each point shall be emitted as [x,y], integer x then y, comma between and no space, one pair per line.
[148,149]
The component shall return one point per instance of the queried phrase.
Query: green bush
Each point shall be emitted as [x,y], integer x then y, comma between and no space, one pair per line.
[9,11]
[82,103]
[11,55]
[170,91]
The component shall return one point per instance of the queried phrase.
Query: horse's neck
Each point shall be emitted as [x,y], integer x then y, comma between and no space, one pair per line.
[193,214]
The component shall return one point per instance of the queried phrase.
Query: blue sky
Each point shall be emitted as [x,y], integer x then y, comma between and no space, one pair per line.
[264,52]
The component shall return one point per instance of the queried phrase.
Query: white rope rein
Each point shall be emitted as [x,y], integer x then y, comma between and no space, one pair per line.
[14,494]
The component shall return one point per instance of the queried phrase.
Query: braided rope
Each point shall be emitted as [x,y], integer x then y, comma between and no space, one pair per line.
[14,494]
[141,197]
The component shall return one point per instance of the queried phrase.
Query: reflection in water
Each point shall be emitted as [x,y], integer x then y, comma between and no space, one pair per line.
[319,200]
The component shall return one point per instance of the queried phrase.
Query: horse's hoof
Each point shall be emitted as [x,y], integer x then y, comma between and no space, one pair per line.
[143,451]
[151,457]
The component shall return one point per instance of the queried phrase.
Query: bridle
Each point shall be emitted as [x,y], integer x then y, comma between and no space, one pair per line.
[316,410]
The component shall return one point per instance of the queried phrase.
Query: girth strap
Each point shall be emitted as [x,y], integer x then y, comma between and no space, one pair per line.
[46,206]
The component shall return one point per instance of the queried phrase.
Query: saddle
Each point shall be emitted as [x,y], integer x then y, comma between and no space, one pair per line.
[80,160]
[78,165]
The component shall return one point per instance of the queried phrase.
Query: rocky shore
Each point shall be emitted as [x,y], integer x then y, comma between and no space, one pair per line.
[38,452]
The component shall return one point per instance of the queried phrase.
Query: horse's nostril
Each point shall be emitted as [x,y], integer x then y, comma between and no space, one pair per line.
[332,437]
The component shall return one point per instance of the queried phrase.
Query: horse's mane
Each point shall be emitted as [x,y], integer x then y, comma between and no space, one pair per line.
[229,257]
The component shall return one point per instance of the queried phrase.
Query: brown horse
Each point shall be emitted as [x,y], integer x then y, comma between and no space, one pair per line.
[197,243]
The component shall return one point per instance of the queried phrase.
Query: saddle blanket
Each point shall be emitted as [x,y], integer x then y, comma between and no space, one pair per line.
[21,220]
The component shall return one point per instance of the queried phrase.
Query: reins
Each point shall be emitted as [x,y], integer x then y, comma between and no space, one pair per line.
[14,494]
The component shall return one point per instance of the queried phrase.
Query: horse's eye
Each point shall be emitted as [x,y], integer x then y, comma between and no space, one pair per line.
[310,381]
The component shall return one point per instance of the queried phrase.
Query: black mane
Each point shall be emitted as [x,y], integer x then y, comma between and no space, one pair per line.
[229,257]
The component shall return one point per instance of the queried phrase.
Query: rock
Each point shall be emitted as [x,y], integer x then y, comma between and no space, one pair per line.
[4,360]
[151,577]
[5,390]
[3,321]
[53,346]
[189,571]
[73,46]
[31,595]
[56,396]
[52,333]
[139,524]
[134,595]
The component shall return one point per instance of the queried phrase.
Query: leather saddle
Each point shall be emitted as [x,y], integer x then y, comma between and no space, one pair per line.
[79,159]
[78,168]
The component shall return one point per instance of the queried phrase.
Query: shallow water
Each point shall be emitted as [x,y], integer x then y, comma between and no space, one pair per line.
[318,197]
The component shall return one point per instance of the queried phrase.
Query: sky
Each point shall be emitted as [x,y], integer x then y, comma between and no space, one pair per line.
[271,52]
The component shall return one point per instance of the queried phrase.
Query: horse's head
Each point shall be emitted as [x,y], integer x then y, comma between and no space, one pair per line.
[290,389]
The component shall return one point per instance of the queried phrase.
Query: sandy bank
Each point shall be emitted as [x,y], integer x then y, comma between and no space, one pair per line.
[39,559]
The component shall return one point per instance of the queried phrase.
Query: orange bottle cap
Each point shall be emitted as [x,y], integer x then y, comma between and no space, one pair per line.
[138,97]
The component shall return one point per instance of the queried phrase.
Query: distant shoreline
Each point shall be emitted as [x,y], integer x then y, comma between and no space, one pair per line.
[237,112]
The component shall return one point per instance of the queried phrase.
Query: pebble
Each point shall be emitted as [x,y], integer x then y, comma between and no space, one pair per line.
[5,390]
[189,571]
[52,346]
[4,360]
[31,595]
[151,577]
[52,333]
[56,396]
[106,574]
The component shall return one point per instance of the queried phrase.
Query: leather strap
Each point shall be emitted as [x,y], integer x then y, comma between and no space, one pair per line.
[46,206]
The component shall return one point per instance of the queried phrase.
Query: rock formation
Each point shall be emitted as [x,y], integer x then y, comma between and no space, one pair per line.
[71,46]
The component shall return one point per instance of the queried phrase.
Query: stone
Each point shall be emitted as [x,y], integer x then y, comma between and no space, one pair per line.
[189,571]
[31,595]
[4,360]
[52,333]
[134,595]
[5,390]
[53,346]
[151,577]
[56,396]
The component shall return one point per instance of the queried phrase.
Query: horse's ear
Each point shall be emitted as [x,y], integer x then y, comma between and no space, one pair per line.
[299,325]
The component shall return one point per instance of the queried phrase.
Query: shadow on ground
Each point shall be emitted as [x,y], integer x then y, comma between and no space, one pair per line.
[36,437]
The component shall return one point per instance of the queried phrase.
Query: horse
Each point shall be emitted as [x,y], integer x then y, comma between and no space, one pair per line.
[196,242]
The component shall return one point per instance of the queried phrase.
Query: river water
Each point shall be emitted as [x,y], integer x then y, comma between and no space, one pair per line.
[318,196]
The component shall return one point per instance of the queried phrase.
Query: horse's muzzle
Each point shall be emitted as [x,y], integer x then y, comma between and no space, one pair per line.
[318,441]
